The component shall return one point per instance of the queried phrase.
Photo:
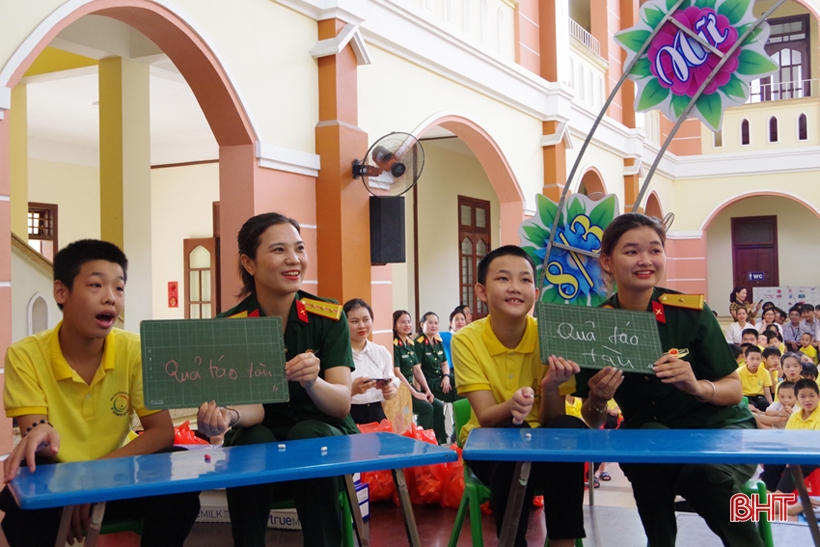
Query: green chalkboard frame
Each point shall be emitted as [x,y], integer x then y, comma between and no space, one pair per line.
[232,361]
[599,337]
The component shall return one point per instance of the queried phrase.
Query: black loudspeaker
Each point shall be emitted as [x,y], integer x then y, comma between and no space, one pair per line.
[386,230]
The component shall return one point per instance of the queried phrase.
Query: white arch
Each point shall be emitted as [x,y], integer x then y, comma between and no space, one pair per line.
[755,193]
[30,315]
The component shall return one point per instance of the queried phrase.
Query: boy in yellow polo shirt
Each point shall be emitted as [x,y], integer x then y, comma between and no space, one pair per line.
[756,380]
[72,390]
[501,374]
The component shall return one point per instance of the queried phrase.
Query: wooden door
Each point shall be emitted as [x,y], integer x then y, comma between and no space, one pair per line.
[754,252]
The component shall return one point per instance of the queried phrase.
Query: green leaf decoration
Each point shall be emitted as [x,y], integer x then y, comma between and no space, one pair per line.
[670,3]
[576,207]
[546,210]
[603,213]
[531,251]
[752,38]
[596,300]
[753,63]
[735,88]
[642,68]
[653,94]
[679,104]
[535,234]
[710,107]
[633,40]
[705,3]
[734,10]
[550,295]
[652,16]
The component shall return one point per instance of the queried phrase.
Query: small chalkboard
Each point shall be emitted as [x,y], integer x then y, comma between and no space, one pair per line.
[231,361]
[599,337]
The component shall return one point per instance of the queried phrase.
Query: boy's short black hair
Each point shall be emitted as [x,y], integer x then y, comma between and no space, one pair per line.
[751,348]
[750,330]
[809,370]
[784,385]
[780,313]
[69,260]
[806,307]
[797,307]
[802,334]
[804,383]
[770,334]
[769,351]
[736,350]
[506,250]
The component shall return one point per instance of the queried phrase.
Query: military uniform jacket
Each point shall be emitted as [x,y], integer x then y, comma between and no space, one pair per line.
[404,357]
[643,398]
[305,331]
[430,353]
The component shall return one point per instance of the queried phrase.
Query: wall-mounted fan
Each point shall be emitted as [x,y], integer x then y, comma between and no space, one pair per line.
[392,165]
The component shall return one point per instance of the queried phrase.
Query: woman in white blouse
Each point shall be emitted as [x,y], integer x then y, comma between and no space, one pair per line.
[373,379]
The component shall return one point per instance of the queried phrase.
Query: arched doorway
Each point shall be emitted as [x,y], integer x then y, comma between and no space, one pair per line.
[653,206]
[592,184]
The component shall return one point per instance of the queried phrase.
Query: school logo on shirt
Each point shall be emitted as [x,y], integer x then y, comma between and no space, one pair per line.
[120,404]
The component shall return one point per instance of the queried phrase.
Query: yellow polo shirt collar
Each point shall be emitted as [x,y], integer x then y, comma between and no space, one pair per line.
[63,371]
[495,347]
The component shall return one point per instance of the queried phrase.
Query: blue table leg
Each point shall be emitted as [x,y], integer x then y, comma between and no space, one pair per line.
[518,489]
[406,508]
[358,522]
[808,510]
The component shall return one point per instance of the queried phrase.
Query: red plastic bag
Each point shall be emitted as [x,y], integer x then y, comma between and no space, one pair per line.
[184,435]
[380,482]
[423,482]
[452,485]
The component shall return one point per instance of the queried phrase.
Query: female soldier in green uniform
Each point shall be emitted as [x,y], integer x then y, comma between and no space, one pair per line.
[273,262]
[695,386]
[434,365]
[428,410]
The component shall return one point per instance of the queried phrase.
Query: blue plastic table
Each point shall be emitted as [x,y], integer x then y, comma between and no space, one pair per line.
[756,446]
[68,484]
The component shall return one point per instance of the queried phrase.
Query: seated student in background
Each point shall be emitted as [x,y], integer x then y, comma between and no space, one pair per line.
[737,353]
[373,380]
[808,322]
[273,262]
[779,411]
[792,366]
[780,316]
[505,343]
[49,378]
[434,364]
[767,321]
[734,332]
[749,336]
[809,370]
[429,411]
[457,322]
[806,347]
[756,380]
[700,390]
[771,362]
[774,340]
[806,416]
[791,330]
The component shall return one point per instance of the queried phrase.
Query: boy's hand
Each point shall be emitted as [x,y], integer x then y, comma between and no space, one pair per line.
[559,372]
[80,519]
[43,440]
[361,385]
[604,384]
[304,368]
[212,420]
[521,404]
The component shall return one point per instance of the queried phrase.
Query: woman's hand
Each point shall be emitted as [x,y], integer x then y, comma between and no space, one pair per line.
[212,420]
[361,385]
[521,404]
[445,384]
[418,395]
[304,368]
[389,390]
[429,396]
[559,372]
[671,370]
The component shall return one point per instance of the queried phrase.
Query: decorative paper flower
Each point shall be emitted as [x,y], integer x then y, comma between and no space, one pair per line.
[675,66]
[571,278]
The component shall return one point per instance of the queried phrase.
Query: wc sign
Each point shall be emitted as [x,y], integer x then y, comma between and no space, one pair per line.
[756,276]
[745,508]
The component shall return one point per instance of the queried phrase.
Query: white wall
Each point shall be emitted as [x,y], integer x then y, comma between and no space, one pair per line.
[181,208]
[76,191]
[27,281]
[450,170]
[797,242]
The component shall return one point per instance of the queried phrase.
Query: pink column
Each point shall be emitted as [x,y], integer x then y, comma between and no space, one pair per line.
[686,264]
[5,268]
